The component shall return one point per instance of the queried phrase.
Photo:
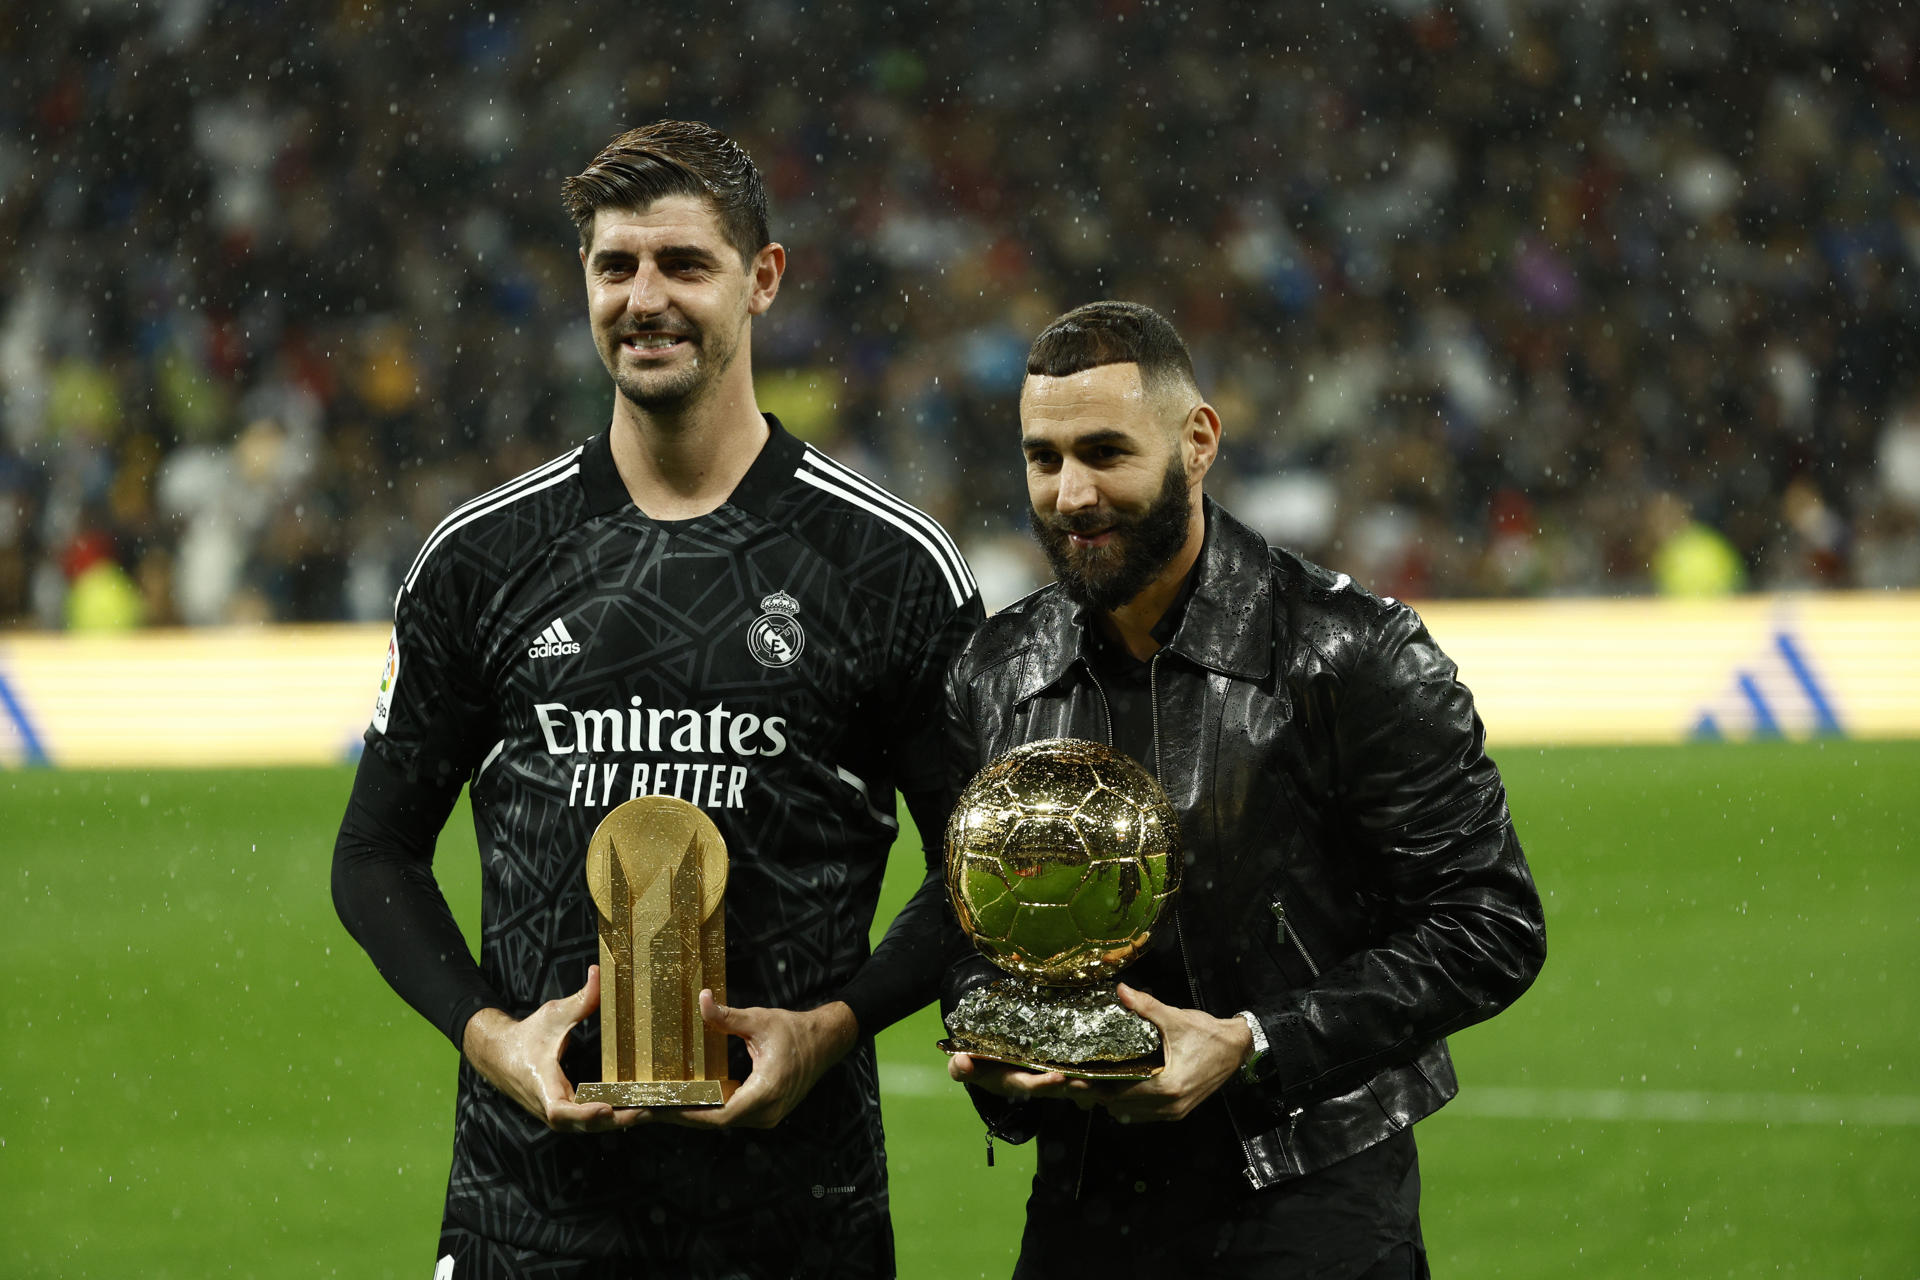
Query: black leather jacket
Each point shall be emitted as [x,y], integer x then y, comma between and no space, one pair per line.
[1352,874]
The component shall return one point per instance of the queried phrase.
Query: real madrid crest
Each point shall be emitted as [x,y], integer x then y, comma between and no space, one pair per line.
[775,638]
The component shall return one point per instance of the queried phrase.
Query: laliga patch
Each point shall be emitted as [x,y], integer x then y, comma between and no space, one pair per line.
[383,700]
[775,638]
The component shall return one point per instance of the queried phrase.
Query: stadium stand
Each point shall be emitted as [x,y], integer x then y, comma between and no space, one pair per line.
[1496,299]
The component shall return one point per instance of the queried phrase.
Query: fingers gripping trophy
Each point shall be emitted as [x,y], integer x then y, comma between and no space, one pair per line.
[1060,856]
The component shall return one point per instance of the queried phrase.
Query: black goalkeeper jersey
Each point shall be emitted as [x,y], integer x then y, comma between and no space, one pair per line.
[777,662]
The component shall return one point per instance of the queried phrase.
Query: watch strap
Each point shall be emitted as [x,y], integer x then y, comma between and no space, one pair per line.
[1250,1069]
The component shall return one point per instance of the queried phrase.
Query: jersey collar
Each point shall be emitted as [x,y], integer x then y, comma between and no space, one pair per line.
[775,465]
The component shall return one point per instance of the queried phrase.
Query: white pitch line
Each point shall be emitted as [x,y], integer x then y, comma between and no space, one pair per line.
[1687,1106]
[1515,1103]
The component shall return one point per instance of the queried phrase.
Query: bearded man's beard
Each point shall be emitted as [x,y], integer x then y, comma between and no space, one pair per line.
[1110,576]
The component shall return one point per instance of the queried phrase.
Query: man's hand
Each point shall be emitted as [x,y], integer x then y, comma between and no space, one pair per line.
[1202,1052]
[522,1059]
[790,1052]
[1018,1083]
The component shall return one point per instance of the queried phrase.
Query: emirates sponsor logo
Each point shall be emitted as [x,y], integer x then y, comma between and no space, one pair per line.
[687,753]
[680,730]
[555,642]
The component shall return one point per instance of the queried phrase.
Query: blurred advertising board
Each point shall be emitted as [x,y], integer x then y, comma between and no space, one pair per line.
[1648,670]
[1542,672]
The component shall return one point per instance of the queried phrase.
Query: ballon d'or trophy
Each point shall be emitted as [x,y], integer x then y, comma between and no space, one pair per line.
[1060,856]
[657,872]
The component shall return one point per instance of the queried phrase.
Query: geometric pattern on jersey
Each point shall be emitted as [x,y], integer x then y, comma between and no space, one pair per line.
[563,652]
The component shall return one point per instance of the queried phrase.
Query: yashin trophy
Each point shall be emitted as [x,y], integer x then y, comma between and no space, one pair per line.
[657,873]
[1060,856]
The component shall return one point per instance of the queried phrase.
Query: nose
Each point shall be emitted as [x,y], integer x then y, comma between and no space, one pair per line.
[644,295]
[1077,491]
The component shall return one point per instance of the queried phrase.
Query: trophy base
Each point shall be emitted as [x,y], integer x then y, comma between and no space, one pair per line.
[1138,1069]
[657,1093]
[1082,1032]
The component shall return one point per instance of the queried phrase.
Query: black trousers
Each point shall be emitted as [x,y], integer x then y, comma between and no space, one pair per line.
[1356,1220]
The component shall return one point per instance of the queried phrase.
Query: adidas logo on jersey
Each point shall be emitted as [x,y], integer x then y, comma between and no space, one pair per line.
[554,642]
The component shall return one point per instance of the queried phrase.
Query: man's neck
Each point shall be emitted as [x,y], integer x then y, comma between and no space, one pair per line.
[681,464]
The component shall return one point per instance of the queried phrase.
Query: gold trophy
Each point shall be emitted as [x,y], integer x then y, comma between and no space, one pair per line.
[1060,856]
[657,872]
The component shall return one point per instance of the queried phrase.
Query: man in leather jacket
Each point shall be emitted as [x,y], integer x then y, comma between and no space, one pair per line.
[1353,888]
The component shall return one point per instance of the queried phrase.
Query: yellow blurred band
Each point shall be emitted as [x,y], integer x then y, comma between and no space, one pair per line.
[1542,672]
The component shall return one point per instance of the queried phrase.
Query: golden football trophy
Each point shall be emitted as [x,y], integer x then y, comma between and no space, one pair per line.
[657,872]
[1060,856]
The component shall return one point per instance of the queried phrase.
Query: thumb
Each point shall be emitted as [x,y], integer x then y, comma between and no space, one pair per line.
[587,998]
[1141,1003]
[719,1016]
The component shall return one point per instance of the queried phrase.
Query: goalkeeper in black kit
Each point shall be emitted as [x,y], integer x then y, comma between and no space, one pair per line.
[691,603]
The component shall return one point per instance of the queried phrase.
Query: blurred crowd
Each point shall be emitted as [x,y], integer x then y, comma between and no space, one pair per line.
[1494,298]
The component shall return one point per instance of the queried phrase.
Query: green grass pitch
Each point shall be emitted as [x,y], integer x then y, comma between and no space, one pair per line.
[1717,1075]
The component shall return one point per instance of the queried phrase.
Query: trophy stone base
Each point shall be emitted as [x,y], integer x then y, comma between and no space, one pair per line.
[657,1093]
[1080,1031]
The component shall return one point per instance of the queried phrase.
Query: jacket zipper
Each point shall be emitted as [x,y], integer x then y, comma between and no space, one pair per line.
[1293,936]
[1179,921]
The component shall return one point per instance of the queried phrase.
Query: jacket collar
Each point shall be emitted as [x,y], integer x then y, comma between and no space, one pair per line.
[1228,625]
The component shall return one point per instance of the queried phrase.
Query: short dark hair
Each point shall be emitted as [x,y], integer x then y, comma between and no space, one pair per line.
[673,158]
[1114,333]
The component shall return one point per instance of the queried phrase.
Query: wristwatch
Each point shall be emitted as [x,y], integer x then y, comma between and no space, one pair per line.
[1250,1069]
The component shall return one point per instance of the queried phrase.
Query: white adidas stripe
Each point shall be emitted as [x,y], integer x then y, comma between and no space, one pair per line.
[492,493]
[548,637]
[544,476]
[916,524]
[859,784]
[492,755]
[960,593]
[847,475]
[560,630]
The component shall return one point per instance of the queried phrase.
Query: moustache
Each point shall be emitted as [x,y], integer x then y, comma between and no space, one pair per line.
[1082,521]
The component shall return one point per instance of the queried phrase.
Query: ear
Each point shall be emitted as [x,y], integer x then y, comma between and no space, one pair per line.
[1200,440]
[765,271]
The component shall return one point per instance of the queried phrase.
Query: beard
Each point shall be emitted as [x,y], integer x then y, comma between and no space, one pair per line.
[1144,544]
[669,389]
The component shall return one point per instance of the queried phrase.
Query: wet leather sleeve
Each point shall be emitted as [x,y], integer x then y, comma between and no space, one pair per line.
[1426,821]
[388,899]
